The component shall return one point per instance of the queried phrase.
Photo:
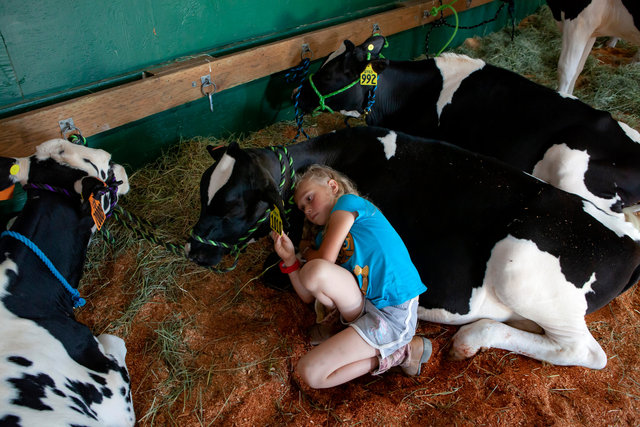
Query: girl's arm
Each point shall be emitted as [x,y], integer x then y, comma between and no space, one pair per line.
[338,227]
[284,247]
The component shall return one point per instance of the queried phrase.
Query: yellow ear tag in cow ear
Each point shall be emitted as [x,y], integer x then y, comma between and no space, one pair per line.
[370,47]
[97,213]
[368,77]
[275,220]
[14,169]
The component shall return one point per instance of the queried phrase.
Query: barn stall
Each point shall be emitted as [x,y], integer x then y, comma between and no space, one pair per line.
[219,348]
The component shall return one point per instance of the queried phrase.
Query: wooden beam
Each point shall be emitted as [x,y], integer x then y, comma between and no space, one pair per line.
[173,85]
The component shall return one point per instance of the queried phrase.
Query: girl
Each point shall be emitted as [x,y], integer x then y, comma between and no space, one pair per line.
[375,287]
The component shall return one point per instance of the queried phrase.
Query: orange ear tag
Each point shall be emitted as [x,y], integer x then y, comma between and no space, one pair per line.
[275,220]
[368,77]
[97,213]
[7,193]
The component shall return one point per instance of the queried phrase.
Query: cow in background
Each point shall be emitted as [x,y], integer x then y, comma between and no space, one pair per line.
[488,110]
[492,243]
[581,21]
[53,370]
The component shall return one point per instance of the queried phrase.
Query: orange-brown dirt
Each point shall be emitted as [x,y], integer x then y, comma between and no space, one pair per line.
[245,339]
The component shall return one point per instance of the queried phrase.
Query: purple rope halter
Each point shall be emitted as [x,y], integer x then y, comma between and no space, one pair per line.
[111,187]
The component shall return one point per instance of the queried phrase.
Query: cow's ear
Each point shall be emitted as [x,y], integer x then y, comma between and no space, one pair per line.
[379,65]
[216,151]
[349,46]
[271,195]
[370,49]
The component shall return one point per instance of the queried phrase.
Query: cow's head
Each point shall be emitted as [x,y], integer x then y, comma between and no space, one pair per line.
[336,84]
[237,193]
[74,170]
[70,169]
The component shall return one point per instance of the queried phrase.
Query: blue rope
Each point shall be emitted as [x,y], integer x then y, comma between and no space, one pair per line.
[75,295]
[297,75]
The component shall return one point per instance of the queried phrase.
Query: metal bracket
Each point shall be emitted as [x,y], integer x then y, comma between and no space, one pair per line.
[205,83]
[67,126]
[376,28]
[306,50]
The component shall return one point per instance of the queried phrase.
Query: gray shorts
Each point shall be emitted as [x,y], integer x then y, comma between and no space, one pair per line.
[389,328]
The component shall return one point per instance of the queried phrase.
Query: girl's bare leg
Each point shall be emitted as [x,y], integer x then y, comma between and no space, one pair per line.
[333,286]
[340,359]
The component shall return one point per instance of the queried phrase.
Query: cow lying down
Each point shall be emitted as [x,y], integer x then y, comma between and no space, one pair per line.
[491,111]
[492,244]
[53,370]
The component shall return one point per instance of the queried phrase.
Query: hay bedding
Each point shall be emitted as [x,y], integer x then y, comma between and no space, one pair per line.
[212,349]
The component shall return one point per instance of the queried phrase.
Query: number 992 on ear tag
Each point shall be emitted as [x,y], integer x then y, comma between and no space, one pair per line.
[275,220]
[368,77]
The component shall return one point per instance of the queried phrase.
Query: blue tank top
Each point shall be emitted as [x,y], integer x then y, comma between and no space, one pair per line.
[374,252]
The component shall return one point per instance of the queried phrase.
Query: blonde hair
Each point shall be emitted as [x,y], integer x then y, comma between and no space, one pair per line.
[322,174]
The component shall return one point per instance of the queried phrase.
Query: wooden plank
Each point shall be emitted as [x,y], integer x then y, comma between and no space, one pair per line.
[173,85]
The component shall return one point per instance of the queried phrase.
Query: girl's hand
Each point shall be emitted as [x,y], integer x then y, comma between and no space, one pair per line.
[284,248]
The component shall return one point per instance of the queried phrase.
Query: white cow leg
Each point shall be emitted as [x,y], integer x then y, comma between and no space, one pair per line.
[572,349]
[576,45]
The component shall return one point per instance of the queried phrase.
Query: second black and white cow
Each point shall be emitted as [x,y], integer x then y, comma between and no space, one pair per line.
[491,111]
[493,244]
[581,21]
[53,370]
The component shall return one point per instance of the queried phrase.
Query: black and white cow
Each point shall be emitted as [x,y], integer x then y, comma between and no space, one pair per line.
[581,21]
[53,370]
[491,111]
[493,244]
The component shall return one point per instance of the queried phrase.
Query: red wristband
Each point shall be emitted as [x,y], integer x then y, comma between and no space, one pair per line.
[290,269]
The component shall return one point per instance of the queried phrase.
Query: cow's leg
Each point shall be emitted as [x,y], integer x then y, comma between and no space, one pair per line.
[573,346]
[576,46]
[530,282]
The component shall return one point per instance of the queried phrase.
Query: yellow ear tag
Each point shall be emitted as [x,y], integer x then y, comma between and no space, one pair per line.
[371,47]
[14,169]
[368,77]
[97,213]
[275,220]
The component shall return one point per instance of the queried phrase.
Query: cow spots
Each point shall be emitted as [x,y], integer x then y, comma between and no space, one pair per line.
[454,69]
[389,143]
[94,162]
[633,134]
[220,176]
[565,168]
[20,361]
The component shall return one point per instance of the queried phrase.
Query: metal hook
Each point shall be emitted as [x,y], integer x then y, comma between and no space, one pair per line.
[206,82]
[376,29]
[306,50]
[67,127]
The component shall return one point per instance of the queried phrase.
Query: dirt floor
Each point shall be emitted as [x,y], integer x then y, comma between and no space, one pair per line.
[243,340]
[220,349]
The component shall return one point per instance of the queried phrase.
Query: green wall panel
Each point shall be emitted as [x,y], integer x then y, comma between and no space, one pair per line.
[57,45]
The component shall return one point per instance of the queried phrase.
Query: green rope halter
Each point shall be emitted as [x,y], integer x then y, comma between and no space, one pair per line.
[243,242]
[322,105]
